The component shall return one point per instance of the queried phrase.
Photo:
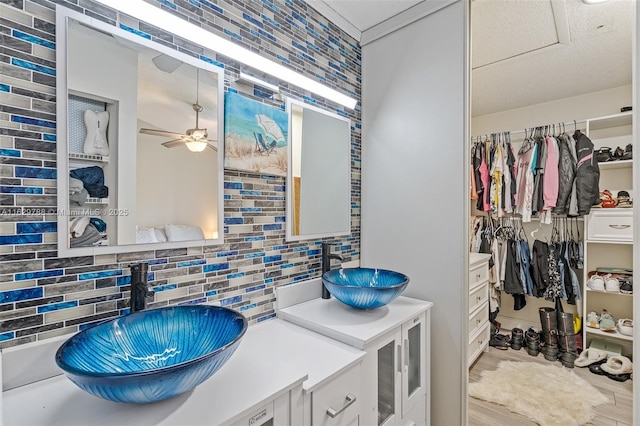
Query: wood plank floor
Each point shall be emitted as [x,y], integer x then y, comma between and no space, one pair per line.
[618,412]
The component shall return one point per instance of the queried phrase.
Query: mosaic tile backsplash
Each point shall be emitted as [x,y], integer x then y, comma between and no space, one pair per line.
[42,295]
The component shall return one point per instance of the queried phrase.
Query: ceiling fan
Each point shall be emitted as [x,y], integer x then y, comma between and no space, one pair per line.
[196,139]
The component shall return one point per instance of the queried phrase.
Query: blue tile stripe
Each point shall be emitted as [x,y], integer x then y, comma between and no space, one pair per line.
[33,67]
[22,294]
[21,190]
[215,267]
[135,31]
[35,172]
[101,274]
[7,336]
[36,227]
[32,121]
[275,258]
[165,287]
[33,39]
[57,306]
[5,87]
[9,152]
[40,274]
[235,275]
[231,300]
[227,253]
[191,263]
[20,239]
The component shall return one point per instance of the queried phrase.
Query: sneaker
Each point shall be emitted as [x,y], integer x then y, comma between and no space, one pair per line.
[593,320]
[606,322]
[626,286]
[623,200]
[628,152]
[611,284]
[625,326]
[596,282]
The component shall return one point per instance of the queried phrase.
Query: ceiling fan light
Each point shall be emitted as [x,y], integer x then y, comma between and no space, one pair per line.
[196,146]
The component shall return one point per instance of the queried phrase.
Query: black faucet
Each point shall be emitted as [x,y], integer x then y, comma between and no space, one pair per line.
[326,265]
[139,287]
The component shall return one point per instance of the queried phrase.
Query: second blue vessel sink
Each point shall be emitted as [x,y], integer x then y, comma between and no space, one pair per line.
[365,288]
[152,355]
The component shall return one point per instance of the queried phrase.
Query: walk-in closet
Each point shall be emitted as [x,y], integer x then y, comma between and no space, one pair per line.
[551,188]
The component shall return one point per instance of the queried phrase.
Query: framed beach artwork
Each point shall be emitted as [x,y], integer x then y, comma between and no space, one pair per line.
[255,136]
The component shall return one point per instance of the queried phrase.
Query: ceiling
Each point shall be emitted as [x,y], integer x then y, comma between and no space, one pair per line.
[524,52]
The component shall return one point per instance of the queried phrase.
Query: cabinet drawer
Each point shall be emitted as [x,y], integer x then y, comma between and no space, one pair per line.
[342,391]
[477,297]
[607,225]
[478,343]
[478,274]
[478,319]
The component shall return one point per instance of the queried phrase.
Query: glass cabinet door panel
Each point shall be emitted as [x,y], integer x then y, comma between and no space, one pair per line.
[386,382]
[413,356]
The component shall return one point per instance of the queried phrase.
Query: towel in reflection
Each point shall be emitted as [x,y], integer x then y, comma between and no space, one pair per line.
[93,180]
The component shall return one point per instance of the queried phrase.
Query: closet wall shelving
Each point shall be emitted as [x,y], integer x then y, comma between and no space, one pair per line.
[609,232]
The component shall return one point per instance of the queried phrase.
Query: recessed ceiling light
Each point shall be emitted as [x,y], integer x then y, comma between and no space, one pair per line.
[593,1]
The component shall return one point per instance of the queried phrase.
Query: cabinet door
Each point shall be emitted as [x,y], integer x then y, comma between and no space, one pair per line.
[389,374]
[413,369]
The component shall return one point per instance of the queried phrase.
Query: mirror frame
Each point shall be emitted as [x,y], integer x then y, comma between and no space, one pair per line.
[63,15]
[289,235]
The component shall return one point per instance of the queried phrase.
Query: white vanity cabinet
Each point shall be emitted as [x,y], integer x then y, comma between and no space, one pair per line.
[395,370]
[336,402]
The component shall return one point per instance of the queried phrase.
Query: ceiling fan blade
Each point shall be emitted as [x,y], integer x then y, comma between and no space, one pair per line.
[163,133]
[173,143]
[212,144]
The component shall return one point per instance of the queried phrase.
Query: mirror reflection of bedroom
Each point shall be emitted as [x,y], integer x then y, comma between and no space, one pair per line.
[551,236]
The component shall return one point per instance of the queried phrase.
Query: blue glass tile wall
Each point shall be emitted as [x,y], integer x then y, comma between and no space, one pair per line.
[41,295]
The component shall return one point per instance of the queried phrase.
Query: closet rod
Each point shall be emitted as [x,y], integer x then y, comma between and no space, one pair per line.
[567,125]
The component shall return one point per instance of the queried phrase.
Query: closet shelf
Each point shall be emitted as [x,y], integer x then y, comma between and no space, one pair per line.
[88,157]
[612,334]
[615,120]
[608,292]
[618,164]
[608,242]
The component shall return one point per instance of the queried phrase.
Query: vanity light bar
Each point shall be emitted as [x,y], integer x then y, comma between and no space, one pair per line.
[161,19]
[256,80]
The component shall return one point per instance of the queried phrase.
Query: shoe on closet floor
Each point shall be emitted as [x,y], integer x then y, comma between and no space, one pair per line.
[590,356]
[596,367]
[618,368]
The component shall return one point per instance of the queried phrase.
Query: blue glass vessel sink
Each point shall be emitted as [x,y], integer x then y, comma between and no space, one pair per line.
[152,355]
[365,288]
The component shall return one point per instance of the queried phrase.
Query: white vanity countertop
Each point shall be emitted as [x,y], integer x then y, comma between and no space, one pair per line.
[355,327]
[273,357]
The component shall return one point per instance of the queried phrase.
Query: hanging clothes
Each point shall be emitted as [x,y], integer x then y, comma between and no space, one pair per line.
[566,174]
[587,174]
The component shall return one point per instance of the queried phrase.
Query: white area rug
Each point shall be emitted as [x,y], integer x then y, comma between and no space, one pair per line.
[547,394]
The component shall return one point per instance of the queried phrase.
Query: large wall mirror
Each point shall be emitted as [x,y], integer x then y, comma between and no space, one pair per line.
[319,173]
[139,142]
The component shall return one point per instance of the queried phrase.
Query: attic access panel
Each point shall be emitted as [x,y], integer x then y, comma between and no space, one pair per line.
[523,27]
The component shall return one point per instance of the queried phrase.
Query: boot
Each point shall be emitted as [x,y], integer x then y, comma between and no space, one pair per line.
[532,338]
[548,338]
[566,339]
[516,339]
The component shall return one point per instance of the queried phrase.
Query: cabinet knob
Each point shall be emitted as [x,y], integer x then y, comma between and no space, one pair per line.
[479,298]
[349,399]
[477,277]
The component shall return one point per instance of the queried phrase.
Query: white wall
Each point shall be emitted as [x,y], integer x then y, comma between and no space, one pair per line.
[414,175]
[595,104]
[636,211]
[176,186]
